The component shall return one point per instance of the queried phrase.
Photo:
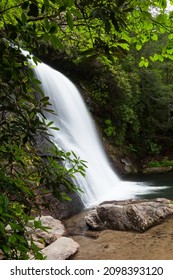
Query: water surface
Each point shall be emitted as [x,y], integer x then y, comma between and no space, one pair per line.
[158,185]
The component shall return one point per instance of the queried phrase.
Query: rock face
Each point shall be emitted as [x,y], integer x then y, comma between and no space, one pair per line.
[157,170]
[64,209]
[129,214]
[123,164]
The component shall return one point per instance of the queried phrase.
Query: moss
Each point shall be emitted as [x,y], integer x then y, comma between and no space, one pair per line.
[162,163]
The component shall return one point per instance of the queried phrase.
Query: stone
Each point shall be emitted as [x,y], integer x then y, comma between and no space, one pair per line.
[133,215]
[61,249]
[54,229]
[55,225]
[157,170]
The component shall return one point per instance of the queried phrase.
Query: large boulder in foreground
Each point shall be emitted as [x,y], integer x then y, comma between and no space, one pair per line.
[135,215]
[61,249]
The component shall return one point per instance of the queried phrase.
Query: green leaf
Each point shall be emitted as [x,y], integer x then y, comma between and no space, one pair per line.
[136,13]
[2,228]
[69,19]
[45,99]
[169,51]
[54,128]
[46,24]
[12,239]
[154,37]
[163,4]
[37,224]
[6,249]
[146,63]
[76,12]
[24,18]
[56,43]
[50,123]
[158,57]
[143,62]
[65,196]
[170,36]
[171,14]
[138,47]
[68,3]
[162,18]
[152,58]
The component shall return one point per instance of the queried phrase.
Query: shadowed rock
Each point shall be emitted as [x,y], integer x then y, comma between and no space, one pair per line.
[135,215]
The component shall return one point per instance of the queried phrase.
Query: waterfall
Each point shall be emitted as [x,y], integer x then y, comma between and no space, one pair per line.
[78,133]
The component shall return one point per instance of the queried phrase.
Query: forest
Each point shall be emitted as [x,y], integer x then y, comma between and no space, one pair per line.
[122,52]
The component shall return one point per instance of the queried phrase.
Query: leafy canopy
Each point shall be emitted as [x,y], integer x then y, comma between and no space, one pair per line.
[88,27]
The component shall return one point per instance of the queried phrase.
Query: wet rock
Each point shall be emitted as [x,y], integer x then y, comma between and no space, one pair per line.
[134,215]
[61,249]
[128,166]
[157,170]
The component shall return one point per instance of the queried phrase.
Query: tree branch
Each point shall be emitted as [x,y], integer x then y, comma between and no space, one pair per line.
[12,7]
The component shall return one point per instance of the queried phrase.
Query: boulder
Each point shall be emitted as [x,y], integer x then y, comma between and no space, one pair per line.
[54,229]
[61,249]
[52,244]
[134,215]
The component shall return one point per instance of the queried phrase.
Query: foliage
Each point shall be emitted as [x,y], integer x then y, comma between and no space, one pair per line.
[118,98]
[25,174]
[163,163]
[84,30]
[23,170]
[110,129]
[154,108]
[14,224]
[136,102]
[88,28]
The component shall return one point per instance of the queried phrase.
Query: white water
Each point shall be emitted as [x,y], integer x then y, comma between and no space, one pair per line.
[78,133]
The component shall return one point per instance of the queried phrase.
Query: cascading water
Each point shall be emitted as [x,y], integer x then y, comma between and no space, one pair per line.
[78,133]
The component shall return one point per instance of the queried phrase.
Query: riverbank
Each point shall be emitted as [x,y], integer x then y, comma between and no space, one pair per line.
[154,244]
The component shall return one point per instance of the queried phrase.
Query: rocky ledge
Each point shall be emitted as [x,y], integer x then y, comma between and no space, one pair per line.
[134,215]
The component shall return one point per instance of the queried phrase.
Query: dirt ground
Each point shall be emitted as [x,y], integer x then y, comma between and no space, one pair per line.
[154,244]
